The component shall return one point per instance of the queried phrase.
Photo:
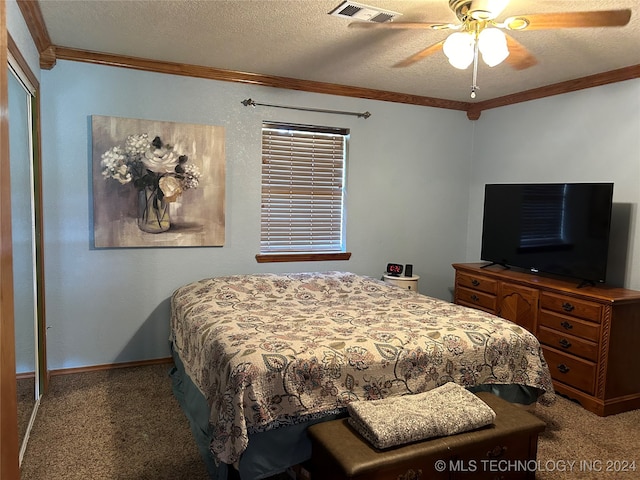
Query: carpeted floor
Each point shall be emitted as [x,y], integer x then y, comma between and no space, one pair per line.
[124,424]
[600,447]
[121,424]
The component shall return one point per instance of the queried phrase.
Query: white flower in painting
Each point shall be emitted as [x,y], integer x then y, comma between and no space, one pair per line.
[114,165]
[160,160]
[171,188]
[122,174]
[191,176]
[137,145]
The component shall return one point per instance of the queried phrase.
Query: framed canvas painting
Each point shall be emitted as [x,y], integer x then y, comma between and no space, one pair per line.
[157,184]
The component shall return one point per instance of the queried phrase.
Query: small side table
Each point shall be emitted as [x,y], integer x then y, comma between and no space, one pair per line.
[408,283]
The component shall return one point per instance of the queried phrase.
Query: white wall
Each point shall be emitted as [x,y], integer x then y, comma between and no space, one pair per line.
[590,135]
[407,200]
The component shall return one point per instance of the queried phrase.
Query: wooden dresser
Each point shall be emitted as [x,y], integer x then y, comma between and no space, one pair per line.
[590,335]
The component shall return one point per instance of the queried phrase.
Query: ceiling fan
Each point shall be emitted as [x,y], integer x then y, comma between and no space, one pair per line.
[480,33]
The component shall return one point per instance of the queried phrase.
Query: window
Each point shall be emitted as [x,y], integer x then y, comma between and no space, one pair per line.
[303,178]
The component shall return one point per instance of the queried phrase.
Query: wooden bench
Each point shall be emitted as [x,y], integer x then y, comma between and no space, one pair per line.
[505,450]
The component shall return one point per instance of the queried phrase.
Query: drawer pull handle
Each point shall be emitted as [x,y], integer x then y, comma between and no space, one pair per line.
[474,298]
[563,368]
[564,343]
[475,282]
[566,325]
[496,451]
[567,307]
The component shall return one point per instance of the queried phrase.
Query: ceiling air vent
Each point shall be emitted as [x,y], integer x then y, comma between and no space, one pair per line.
[358,11]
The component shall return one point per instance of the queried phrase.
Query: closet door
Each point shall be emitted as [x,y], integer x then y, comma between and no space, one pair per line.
[24,251]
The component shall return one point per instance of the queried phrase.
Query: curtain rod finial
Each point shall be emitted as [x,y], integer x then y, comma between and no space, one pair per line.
[248,102]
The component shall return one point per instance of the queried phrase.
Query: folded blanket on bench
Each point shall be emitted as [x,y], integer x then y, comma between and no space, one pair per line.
[446,410]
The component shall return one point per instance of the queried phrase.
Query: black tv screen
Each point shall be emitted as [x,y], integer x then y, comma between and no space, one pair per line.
[557,228]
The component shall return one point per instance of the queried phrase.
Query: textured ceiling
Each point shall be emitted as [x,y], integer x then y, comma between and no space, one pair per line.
[299,39]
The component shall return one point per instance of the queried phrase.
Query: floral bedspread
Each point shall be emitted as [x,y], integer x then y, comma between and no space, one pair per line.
[267,347]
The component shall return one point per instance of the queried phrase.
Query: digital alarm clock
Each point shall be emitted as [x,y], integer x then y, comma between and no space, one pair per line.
[394,269]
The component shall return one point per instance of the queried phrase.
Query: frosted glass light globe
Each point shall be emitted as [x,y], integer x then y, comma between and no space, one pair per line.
[492,43]
[458,47]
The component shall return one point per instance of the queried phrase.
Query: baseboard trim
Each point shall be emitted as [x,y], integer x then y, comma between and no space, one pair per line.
[111,366]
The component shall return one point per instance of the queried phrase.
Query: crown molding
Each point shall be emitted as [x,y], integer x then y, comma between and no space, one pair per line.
[63,53]
[473,110]
[597,80]
[50,53]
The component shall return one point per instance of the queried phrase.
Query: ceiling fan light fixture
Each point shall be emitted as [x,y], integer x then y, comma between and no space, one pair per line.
[483,10]
[492,43]
[516,23]
[458,47]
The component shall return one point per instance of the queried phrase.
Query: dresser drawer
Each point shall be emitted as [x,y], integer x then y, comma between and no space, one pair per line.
[570,325]
[568,343]
[477,282]
[476,299]
[571,370]
[571,306]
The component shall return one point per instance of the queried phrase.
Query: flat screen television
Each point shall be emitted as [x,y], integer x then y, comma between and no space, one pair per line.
[556,228]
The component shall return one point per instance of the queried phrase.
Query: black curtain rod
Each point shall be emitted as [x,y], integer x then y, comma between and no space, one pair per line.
[249,102]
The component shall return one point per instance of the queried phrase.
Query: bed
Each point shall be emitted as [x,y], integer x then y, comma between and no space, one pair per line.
[259,358]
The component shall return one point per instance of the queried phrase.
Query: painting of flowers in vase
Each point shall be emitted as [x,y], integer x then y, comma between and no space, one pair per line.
[157,184]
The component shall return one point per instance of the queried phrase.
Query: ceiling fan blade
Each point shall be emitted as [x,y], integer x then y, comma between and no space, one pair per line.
[430,50]
[519,57]
[404,25]
[546,21]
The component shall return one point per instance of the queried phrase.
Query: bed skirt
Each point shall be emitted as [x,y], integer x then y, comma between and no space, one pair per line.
[269,452]
[273,451]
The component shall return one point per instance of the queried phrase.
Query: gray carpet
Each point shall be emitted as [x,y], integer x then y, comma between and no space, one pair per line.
[125,424]
[602,447]
[119,424]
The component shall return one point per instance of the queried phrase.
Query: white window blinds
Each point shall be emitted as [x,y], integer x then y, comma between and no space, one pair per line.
[303,172]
